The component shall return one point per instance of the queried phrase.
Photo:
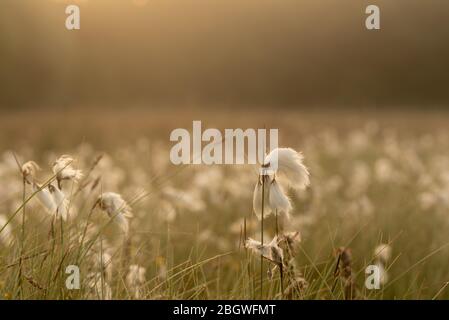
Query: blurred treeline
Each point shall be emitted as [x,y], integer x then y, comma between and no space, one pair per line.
[253,52]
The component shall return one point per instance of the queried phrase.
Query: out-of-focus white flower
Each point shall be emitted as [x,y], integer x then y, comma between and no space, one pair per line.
[384,170]
[45,198]
[61,202]
[358,140]
[383,252]
[136,279]
[29,170]
[186,200]
[270,251]
[361,207]
[330,143]
[289,163]
[333,184]
[278,200]
[6,231]
[64,170]
[116,208]
[382,255]
[360,180]
[383,274]
[102,258]
[98,287]
[167,211]
[208,178]
[53,200]
[427,200]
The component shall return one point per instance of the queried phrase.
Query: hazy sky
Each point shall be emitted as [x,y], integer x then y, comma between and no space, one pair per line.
[256,52]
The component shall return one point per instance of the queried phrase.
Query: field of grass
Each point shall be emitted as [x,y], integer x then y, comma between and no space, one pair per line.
[376,179]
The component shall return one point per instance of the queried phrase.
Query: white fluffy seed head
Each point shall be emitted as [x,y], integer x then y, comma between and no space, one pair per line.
[64,170]
[29,170]
[289,163]
[6,235]
[383,274]
[135,279]
[257,199]
[61,202]
[45,198]
[98,287]
[278,200]
[114,203]
[116,208]
[187,200]
[53,200]
[383,253]
[103,261]
[136,275]
[270,251]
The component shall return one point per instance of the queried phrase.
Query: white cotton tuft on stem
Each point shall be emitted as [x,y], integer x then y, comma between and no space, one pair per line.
[278,200]
[53,200]
[257,199]
[64,170]
[45,198]
[383,253]
[116,208]
[383,274]
[61,202]
[29,170]
[270,251]
[136,279]
[289,163]
[6,235]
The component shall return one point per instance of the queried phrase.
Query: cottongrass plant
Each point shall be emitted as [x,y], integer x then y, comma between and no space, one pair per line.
[270,251]
[6,235]
[64,170]
[45,197]
[382,255]
[287,165]
[98,287]
[296,284]
[269,196]
[345,271]
[135,280]
[55,202]
[197,257]
[116,208]
[29,171]
[54,199]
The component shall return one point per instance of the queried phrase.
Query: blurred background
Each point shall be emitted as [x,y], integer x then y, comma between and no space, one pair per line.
[270,53]
[369,110]
[145,67]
